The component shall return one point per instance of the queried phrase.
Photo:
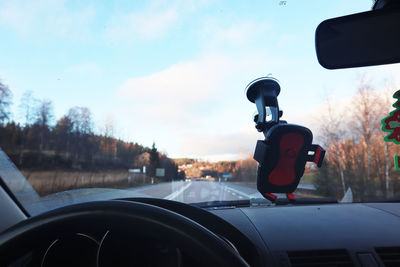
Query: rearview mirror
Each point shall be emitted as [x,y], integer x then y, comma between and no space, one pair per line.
[363,39]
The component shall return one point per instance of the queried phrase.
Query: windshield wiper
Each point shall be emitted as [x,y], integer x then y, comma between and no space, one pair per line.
[223,204]
[218,204]
[298,201]
[307,201]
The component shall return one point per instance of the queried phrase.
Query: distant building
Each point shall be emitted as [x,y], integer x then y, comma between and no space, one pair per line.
[184,167]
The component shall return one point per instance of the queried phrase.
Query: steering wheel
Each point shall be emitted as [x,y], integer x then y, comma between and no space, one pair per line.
[125,216]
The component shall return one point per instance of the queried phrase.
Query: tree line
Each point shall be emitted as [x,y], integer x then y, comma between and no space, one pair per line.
[357,156]
[70,142]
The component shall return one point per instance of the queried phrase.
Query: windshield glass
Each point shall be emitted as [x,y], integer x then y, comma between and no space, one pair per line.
[146,99]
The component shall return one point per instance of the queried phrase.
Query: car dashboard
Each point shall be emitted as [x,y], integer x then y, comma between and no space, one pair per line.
[322,235]
[352,234]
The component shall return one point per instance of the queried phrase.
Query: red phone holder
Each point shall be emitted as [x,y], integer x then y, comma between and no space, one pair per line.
[282,157]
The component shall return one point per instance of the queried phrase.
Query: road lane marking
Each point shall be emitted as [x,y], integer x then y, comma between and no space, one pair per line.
[178,192]
[237,192]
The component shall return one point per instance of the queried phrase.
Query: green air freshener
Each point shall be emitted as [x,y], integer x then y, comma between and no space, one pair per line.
[397,162]
[391,124]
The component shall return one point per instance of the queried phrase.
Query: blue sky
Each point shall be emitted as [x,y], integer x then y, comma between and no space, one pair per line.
[173,72]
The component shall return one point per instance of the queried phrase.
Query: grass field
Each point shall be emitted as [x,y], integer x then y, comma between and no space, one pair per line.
[308,178]
[48,182]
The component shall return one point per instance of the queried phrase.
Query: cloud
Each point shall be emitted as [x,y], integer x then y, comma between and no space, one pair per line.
[156,20]
[217,35]
[178,98]
[42,18]
[216,144]
[191,81]
[141,25]
[192,102]
[194,90]
[200,103]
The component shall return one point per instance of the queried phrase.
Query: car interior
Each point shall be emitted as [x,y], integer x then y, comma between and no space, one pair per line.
[142,231]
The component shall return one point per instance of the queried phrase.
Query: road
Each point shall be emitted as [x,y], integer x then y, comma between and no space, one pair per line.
[203,191]
[187,192]
[199,191]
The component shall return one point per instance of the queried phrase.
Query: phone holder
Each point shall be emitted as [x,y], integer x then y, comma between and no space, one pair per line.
[283,154]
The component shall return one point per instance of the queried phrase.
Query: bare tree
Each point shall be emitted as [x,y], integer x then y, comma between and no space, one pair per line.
[82,127]
[44,115]
[385,105]
[62,133]
[366,119]
[109,131]
[333,135]
[81,117]
[27,107]
[44,112]
[26,110]
[109,127]
[356,151]
[5,102]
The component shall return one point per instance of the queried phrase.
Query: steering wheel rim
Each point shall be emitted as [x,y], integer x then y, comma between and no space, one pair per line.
[118,214]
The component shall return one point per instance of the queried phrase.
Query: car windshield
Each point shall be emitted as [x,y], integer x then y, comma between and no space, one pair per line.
[124,99]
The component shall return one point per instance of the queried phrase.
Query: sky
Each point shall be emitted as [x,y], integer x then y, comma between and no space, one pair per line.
[174,72]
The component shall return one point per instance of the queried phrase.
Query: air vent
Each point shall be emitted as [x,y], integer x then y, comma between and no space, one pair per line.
[332,258]
[390,256]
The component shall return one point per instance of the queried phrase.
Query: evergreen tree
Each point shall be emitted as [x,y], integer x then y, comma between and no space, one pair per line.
[154,160]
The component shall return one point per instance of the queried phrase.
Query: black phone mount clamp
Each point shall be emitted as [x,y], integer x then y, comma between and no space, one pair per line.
[283,154]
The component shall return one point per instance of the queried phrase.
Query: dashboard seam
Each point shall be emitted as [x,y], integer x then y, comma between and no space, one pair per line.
[386,211]
[258,233]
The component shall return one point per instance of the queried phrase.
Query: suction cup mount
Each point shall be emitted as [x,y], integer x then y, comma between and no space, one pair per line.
[264,92]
